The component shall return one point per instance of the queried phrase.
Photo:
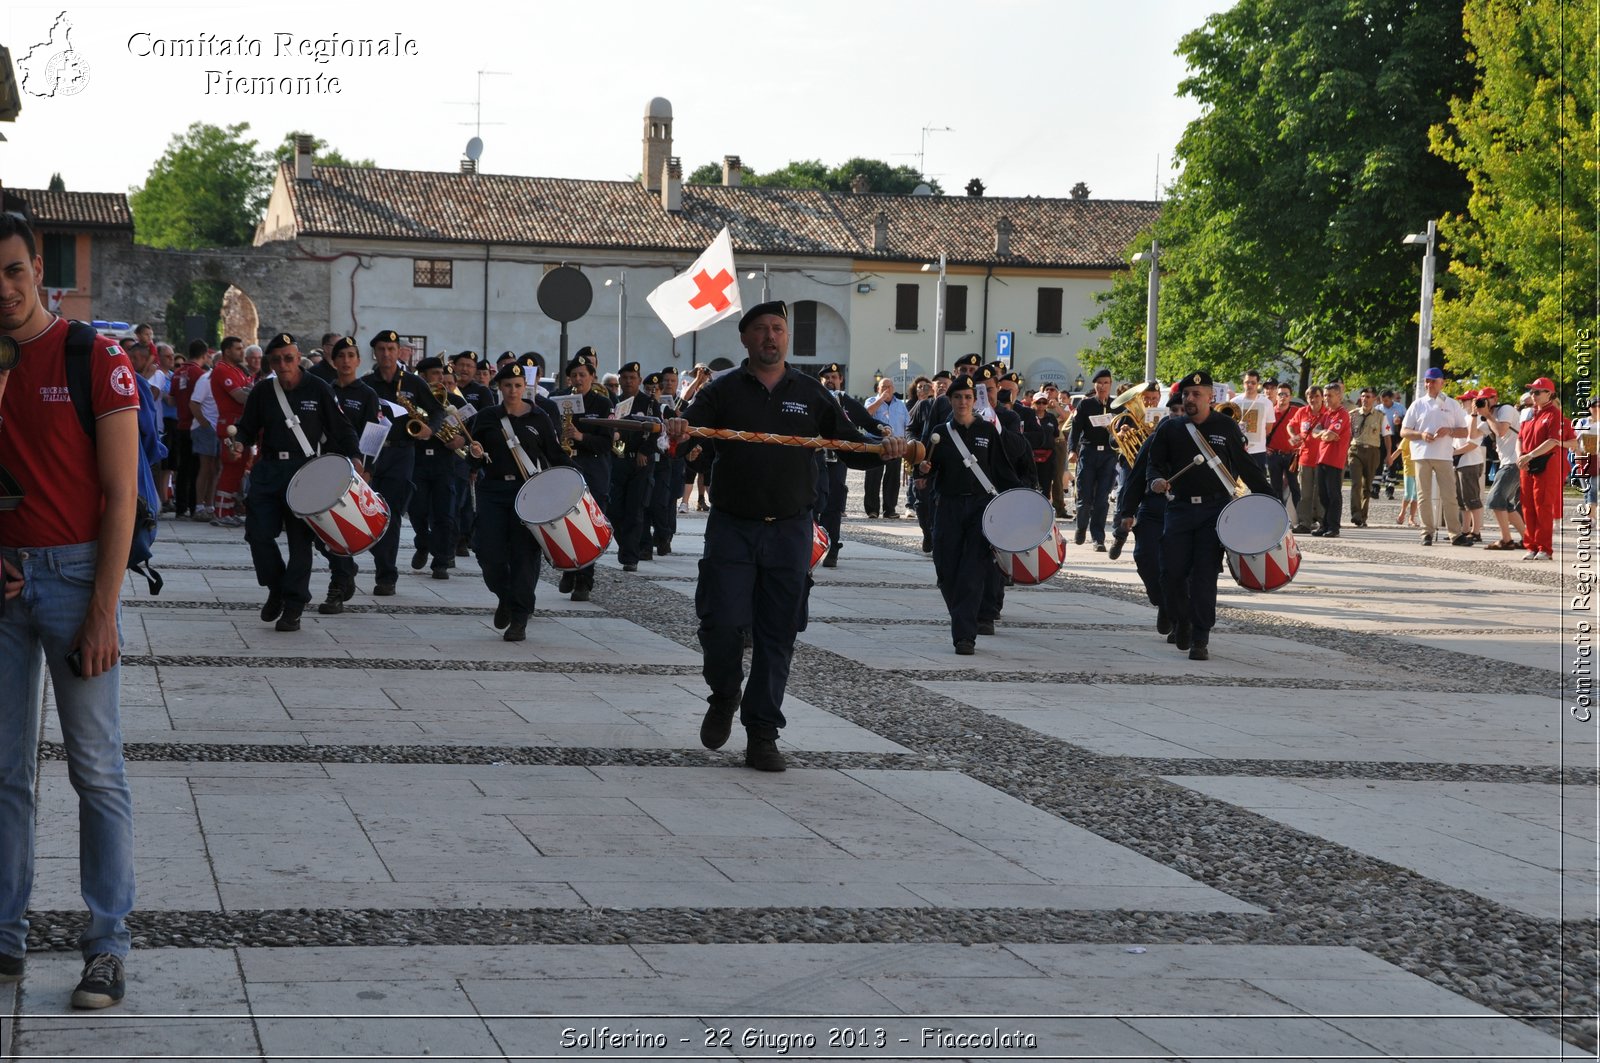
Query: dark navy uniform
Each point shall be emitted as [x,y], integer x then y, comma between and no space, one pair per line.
[281,456]
[1191,555]
[360,406]
[632,478]
[1149,511]
[753,574]
[962,557]
[919,493]
[393,471]
[668,489]
[478,397]
[1097,467]
[433,504]
[507,551]
[593,458]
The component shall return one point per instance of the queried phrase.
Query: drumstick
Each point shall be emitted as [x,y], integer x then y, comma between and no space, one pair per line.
[1197,460]
[914,449]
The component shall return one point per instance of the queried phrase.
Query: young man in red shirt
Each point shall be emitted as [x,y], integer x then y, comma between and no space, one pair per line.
[230,386]
[68,540]
[1333,431]
[1302,434]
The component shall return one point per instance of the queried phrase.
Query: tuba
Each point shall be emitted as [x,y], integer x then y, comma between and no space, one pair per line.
[1128,428]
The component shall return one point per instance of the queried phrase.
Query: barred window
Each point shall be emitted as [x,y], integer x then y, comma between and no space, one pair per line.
[432,273]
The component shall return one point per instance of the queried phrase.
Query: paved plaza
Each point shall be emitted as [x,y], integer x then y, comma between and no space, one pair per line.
[1366,828]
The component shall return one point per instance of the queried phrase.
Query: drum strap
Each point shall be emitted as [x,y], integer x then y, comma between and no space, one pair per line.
[1212,459]
[515,446]
[291,419]
[967,459]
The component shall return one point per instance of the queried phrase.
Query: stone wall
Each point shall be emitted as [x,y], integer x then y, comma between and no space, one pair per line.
[132,282]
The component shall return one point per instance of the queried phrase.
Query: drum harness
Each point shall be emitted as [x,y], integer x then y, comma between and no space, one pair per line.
[291,419]
[968,460]
[1229,486]
[517,455]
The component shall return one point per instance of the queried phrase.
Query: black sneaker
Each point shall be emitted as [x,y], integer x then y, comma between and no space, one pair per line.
[569,580]
[441,573]
[580,594]
[516,631]
[1099,548]
[1461,540]
[1080,536]
[502,615]
[1163,622]
[273,607]
[927,544]
[463,549]
[1427,540]
[966,648]
[333,606]
[762,754]
[647,553]
[290,620]
[630,567]
[717,724]
[101,985]
[419,559]
[664,549]
[1182,634]
[1117,542]
[832,558]
[383,590]
[986,627]
[1199,652]
[10,968]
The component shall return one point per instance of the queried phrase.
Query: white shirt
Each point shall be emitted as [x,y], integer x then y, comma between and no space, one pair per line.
[1509,446]
[202,395]
[1469,458]
[1434,415]
[1255,417]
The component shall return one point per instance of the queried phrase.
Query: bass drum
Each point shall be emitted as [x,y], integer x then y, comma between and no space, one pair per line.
[563,516]
[1021,527]
[1262,553]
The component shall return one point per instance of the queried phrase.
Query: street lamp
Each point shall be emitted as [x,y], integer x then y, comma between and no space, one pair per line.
[938,313]
[622,317]
[1153,301]
[1426,239]
[764,278]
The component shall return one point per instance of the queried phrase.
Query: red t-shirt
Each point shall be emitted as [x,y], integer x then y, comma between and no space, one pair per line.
[1546,423]
[1305,419]
[1337,419]
[45,448]
[183,381]
[1278,434]
[225,377]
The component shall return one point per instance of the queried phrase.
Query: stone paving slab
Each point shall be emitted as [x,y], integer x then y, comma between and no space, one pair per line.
[1131,720]
[1098,1001]
[1524,845]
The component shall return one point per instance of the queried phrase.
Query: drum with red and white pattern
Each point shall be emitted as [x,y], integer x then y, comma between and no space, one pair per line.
[819,545]
[342,508]
[1021,526]
[563,516]
[1262,553]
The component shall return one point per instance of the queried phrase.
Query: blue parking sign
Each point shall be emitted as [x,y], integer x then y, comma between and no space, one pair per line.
[1003,345]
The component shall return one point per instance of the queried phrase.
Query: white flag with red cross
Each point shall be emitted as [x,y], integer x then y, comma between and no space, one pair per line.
[704,295]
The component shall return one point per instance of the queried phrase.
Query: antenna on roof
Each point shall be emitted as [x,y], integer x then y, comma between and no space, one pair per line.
[477,105]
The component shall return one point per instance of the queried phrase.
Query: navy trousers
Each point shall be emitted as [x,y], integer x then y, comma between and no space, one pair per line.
[1190,557]
[964,563]
[433,509]
[630,497]
[267,518]
[754,575]
[391,478]
[1097,472]
[506,549]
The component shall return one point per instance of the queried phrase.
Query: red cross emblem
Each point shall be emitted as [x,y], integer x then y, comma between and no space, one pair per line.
[711,291]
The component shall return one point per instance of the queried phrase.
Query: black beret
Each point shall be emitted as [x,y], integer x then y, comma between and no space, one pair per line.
[1199,378]
[1101,372]
[578,360]
[1152,386]
[943,374]
[960,383]
[454,358]
[985,372]
[631,367]
[427,364]
[653,380]
[973,360]
[388,335]
[483,363]
[282,339]
[587,354]
[513,371]
[1012,378]
[341,344]
[528,361]
[831,367]
[669,369]
[504,355]
[775,308]
[1175,402]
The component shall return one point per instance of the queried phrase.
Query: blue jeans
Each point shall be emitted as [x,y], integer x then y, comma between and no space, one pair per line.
[37,628]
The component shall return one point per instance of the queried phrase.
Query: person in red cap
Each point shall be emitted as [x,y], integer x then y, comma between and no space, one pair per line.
[1544,472]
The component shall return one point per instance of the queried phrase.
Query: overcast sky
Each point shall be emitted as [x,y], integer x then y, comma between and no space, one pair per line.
[1037,95]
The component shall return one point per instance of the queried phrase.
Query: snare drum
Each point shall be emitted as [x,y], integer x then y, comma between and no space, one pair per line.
[1262,553]
[819,545]
[563,516]
[342,508]
[1021,526]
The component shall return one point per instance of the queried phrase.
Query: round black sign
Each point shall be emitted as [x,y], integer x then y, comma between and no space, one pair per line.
[565,294]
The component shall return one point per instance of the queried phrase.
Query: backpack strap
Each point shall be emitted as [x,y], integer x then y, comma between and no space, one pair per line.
[80,345]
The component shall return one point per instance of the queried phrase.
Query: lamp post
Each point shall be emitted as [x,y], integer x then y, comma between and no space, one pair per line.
[938,312]
[1427,239]
[622,317]
[1153,301]
[764,279]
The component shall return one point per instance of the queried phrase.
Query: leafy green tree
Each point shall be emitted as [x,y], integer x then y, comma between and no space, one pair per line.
[321,154]
[1522,270]
[56,183]
[208,189]
[814,173]
[1309,162]
[199,298]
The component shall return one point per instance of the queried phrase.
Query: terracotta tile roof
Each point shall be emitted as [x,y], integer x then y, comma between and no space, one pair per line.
[379,204]
[74,210]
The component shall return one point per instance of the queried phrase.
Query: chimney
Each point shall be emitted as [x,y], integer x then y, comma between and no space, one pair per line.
[1080,191]
[880,231]
[302,156]
[657,142]
[672,185]
[1002,238]
[859,185]
[975,188]
[732,171]
[469,165]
